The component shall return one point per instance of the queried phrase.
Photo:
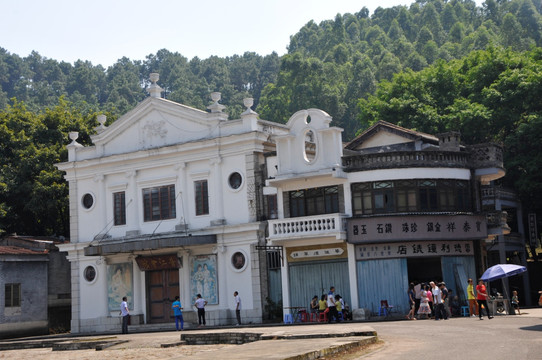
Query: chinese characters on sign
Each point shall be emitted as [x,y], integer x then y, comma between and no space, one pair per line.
[390,228]
[413,249]
[317,252]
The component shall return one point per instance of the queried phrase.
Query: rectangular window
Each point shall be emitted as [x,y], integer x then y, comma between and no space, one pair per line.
[202,197]
[272,207]
[119,208]
[13,295]
[314,201]
[159,203]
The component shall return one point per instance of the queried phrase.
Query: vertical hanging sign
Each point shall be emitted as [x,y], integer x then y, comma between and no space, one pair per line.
[533,233]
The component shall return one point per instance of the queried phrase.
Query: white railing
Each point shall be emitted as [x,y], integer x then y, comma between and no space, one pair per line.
[317,225]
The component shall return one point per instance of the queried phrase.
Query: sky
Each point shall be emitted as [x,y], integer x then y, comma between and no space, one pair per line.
[103,31]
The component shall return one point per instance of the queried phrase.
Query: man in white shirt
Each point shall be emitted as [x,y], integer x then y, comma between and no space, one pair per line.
[125,315]
[200,305]
[331,306]
[237,299]
[437,301]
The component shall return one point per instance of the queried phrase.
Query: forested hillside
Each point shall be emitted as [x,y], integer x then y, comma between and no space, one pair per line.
[434,65]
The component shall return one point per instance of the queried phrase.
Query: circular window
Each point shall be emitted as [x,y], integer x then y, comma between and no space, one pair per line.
[90,273]
[235,180]
[238,261]
[87,201]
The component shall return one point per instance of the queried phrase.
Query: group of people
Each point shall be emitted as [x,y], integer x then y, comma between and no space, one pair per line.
[429,301]
[434,300]
[332,305]
[177,308]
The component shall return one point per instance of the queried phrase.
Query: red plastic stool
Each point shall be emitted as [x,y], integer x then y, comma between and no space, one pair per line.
[313,317]
[322,317]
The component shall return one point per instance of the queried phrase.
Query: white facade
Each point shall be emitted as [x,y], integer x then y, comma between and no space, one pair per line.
[164,149]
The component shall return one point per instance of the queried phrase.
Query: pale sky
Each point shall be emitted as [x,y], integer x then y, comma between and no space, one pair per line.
[103,31]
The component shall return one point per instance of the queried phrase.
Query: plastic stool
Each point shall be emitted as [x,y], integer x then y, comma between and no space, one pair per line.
[288,319]
[465,311]
[313,317]
[322,317]
[303,316]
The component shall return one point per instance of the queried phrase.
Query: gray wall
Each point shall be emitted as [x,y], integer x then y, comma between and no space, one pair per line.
[31,272]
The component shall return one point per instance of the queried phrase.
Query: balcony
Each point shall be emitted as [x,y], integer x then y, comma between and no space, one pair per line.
[308,226]
[496,223]
[406,159]
[487,160]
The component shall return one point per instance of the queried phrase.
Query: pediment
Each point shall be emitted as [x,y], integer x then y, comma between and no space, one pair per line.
[155,123]
[384,133]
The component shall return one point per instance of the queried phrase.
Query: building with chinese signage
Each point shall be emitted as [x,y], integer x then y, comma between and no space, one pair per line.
[402,206]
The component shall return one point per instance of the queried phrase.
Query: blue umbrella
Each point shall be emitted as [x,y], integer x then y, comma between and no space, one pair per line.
[500,271]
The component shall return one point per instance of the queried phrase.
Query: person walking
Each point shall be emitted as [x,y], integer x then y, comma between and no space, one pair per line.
[125,313]
[515,302]
[438,306]
[200,305]
[424,304]
[481,296]
[445,294]
[177,312]
[331,306]
[237,300]
[473,306]
[411,302]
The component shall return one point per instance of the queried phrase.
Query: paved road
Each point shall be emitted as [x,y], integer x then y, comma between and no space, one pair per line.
[503,337]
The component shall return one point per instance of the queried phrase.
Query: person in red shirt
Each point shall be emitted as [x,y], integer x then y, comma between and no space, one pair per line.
[481,297]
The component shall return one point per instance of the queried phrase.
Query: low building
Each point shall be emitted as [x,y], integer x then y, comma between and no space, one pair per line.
[36,281]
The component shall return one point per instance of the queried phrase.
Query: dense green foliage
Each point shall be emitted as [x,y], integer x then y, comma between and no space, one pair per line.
[333,64]
[434,65]
[33,194]
[490,96]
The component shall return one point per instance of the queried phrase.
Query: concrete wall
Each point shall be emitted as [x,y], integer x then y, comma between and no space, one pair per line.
[31,317]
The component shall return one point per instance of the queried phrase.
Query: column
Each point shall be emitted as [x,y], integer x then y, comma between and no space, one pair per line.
[132,204]
[219,200]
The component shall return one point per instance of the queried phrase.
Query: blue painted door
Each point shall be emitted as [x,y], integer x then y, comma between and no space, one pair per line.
[382,280]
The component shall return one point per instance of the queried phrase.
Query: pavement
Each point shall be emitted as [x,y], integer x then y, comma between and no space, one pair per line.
[297,341]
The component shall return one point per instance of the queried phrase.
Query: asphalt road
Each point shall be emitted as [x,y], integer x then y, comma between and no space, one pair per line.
[503,337]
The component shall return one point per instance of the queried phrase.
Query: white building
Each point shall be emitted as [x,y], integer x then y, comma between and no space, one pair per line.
[171,200]
[167,202]
[398,206]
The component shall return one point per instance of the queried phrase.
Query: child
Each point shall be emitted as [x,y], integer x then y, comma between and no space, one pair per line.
[515,301]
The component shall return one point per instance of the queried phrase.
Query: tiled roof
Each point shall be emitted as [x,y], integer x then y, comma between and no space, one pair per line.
[14,250]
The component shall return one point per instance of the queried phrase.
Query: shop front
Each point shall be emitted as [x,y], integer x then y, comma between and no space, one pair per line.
[393,251]
[314,269]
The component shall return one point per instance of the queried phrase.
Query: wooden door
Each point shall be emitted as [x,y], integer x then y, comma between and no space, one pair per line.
[162,287]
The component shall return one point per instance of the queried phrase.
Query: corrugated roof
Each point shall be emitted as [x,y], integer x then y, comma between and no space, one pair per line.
[14,250]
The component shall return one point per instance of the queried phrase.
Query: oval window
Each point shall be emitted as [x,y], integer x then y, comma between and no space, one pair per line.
[235,180]
[310,146]
[87,201]
[89,273]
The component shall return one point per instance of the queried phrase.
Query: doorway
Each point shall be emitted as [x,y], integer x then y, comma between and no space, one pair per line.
[424,269]
[162,287]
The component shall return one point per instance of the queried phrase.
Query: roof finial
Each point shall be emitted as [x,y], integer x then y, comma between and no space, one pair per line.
[216,107]
[154,90]
[248,102]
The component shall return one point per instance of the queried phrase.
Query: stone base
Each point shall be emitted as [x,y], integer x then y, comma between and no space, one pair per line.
[361,314]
